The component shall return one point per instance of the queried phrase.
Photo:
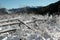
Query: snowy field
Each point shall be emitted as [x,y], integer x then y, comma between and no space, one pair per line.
[41,27]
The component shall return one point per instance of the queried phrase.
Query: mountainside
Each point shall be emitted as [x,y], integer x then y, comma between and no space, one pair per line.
[51,9]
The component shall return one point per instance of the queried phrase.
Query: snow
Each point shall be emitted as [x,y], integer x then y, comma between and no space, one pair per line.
[46,28]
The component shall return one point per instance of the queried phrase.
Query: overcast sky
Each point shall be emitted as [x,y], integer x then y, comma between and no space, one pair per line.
[22,3]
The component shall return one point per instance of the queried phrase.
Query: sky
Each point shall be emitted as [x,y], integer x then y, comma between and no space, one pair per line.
[23,3]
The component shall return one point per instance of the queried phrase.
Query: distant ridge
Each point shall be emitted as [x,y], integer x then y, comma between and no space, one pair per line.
[51,9]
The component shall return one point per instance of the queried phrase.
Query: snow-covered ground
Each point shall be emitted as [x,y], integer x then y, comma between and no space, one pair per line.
[43,27]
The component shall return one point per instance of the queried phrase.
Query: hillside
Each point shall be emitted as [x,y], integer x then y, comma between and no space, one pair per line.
[51,9]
